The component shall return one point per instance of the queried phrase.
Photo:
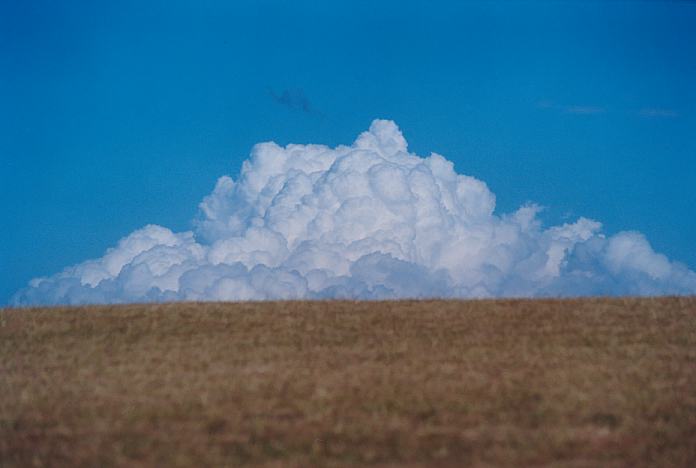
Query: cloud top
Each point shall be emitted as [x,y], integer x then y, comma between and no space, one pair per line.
[365,221]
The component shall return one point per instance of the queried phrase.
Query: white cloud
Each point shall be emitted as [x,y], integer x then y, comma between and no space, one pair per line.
[370,220]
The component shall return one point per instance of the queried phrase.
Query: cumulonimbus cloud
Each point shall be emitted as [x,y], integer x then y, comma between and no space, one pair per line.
[365,221]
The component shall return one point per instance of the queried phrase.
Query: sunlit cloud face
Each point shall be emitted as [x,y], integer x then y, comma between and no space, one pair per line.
[366,221]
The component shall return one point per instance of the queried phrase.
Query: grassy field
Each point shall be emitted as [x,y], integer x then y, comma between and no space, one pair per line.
[595,382]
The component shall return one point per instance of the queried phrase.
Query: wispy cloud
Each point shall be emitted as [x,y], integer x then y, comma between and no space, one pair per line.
[583,110]
[652,112]
[577,109]
[294,99]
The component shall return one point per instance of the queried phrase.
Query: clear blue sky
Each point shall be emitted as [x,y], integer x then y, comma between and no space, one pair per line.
[118,114]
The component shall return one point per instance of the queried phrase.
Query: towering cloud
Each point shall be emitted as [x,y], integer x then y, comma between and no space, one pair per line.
[366,221]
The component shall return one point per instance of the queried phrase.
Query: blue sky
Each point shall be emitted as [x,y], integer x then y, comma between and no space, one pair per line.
[119,114]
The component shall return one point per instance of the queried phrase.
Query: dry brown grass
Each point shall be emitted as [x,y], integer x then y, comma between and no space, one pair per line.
[591,382]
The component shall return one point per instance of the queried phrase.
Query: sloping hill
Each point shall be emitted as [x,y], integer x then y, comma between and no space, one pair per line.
[592,382]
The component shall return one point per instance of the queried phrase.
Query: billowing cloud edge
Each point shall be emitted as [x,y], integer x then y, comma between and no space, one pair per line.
[365,221]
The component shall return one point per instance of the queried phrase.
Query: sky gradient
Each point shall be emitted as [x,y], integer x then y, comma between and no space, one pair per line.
[119,115]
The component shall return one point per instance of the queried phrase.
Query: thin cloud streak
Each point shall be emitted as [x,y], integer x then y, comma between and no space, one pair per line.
[658,113]
[576,109]
[583,110]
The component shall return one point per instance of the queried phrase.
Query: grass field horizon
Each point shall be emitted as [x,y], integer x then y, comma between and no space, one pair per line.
[509,382]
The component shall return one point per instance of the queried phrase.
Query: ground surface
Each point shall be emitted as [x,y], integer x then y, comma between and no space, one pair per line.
[491,383]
